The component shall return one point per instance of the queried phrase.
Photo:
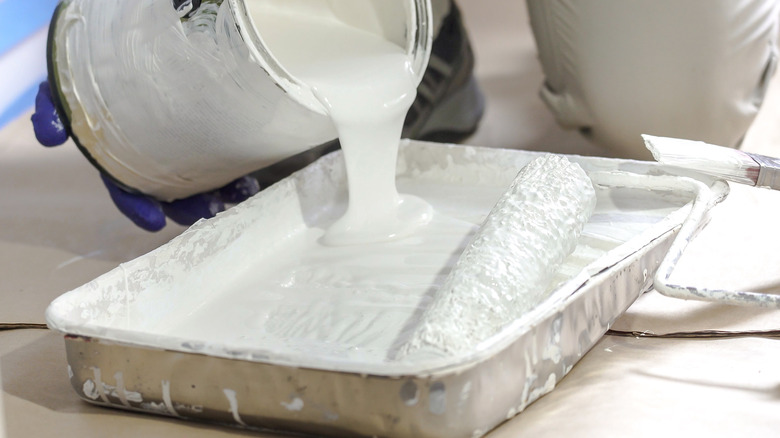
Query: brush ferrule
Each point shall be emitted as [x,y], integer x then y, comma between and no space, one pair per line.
[769,172]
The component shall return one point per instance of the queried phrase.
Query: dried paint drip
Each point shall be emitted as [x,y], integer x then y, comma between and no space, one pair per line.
[507,268]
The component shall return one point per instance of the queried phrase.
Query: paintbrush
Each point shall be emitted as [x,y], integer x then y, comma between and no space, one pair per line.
[722,162]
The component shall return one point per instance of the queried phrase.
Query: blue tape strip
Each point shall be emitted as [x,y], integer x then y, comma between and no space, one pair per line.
[19,19]
[19,106]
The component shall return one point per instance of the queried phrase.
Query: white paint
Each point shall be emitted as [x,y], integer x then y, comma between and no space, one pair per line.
[100,385]
[549,385]
[226,108]
[347,301]
[196,409]
[100,389]
[350,303]
[721,162]
[90,390]
[158,408]
[120,389]
[367,84]
[295,405]
[553,351]
[166,394]
[233,401]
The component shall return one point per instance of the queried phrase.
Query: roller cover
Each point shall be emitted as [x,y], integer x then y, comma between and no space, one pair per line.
[506,269]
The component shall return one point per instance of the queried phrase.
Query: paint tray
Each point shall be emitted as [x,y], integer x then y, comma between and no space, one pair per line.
[192,329]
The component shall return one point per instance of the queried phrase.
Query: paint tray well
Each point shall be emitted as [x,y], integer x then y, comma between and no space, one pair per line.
[245,320]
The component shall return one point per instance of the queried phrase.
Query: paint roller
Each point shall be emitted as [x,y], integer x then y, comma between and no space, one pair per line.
[506,269]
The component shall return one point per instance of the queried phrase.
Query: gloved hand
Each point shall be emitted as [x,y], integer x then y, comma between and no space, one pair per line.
[144,211]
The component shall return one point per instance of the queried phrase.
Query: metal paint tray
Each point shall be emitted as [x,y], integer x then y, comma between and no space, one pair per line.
[133,340]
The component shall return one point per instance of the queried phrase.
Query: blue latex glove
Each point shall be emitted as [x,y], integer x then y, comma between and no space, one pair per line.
[144,211]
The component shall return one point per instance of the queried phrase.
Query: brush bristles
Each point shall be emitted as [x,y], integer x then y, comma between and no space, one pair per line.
[730,164]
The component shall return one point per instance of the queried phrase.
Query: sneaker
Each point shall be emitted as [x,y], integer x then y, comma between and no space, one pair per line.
[448,107]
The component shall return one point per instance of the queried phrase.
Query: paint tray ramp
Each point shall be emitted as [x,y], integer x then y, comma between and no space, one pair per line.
[244,320]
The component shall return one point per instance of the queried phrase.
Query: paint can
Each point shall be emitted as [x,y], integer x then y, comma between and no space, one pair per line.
[176,97]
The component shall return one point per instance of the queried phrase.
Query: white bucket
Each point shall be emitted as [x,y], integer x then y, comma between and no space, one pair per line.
[172,98]
[615,69]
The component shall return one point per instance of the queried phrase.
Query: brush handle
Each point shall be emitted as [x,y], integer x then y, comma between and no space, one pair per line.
[769,172]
